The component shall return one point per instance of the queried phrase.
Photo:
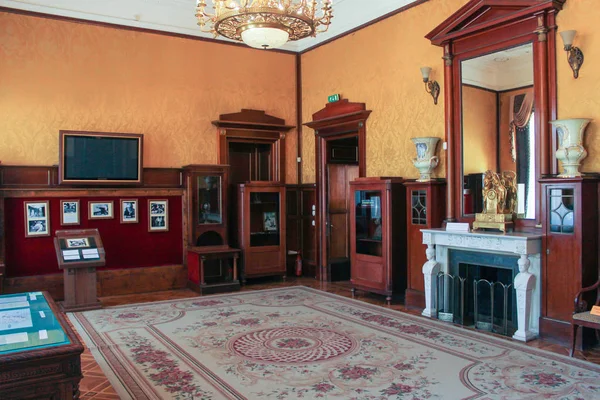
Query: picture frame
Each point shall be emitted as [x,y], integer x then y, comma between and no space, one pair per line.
[77,243]
[100,210]
[270,221]
[158,215]
[129,211]
[69,212]
[37,218]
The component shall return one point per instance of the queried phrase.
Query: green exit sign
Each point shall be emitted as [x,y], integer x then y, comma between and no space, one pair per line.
[333,98]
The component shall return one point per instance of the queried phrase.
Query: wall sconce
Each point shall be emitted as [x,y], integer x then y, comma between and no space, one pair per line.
[431,87]
[575,55]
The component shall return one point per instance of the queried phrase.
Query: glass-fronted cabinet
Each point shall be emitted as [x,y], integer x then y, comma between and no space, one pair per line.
[207,204]
[264,219]
[261,228]
[369,230]
[209,189]
[378,236]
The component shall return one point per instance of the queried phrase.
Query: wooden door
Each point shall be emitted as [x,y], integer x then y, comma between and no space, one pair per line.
[338,219]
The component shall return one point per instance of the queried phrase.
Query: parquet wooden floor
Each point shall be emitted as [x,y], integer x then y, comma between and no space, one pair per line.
[95,385]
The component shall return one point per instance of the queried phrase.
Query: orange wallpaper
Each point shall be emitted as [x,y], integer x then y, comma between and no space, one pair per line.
[379,66]
[64,75]
[580,98]
[480,132]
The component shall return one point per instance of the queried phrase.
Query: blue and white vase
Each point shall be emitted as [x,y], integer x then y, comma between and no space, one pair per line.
[426,160]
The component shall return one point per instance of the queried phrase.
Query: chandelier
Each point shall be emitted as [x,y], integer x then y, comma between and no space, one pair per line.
[265,24]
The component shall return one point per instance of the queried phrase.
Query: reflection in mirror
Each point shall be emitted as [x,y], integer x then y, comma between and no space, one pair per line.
[498,131]
[209,200]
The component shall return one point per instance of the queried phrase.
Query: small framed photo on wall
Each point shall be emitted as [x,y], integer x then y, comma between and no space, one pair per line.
[69,214]
[158,218]
[129,211]
[101,210]
[37,218]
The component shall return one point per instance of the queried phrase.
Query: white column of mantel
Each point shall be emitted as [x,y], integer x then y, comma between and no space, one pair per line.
[430,271]
[524,283]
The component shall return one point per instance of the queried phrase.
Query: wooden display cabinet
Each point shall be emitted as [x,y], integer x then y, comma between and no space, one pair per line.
[426,205]
[261,228]
[212,264]
[207,204]
[48,364]
[378,236]
[570,223]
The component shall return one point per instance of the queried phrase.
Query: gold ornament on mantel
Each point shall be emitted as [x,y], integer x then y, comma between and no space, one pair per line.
[499,201]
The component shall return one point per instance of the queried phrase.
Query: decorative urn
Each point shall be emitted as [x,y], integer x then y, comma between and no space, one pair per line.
[426,160]
[570,150]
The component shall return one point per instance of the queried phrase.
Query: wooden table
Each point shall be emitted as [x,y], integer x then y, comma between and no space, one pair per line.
[222,280]
[41,369]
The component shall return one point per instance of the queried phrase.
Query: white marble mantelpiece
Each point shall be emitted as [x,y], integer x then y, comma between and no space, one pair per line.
[527,282]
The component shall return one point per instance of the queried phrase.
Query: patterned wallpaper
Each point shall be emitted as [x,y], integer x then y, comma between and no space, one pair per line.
[379,65]
[580,98]
[480,139]
[64,75]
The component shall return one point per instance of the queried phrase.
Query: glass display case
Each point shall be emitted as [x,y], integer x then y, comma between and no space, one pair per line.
[207,198]
[261,229]
[264,219]
[378,236]
[39,352]
[209,189]
[368,222]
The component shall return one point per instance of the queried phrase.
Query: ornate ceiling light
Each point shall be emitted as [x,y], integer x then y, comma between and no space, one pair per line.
[265,24]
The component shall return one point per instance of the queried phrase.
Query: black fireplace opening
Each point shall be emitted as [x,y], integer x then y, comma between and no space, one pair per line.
[478,291]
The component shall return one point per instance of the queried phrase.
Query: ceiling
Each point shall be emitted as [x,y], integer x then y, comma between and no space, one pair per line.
[178,15]
[502,70]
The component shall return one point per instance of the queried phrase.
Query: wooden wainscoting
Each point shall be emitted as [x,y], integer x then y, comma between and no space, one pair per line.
[110,282]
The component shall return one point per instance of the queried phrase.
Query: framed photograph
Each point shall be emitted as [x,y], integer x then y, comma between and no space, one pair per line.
[69,214]
[75,243]
[129,211]
[158,218]
[101,210]
[270,221]
[37,218]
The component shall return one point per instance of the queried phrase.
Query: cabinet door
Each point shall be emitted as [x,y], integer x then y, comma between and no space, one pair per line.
[418,200]
[563,271]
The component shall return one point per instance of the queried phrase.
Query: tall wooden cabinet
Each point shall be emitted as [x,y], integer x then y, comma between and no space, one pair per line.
[570,223]
[425,208]
[261,228]
[378,236]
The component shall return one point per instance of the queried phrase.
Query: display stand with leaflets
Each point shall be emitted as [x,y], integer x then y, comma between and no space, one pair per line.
[79,253]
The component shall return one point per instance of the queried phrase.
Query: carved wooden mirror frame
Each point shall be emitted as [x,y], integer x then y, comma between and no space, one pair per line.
[485,26]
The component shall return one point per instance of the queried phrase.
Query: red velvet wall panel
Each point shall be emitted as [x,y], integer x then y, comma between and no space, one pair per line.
[127,245]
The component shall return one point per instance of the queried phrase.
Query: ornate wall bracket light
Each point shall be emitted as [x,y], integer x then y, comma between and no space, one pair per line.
[431,87]
[574,54]
[264,24]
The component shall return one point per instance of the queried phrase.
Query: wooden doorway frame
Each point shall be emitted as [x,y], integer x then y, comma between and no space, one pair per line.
[336,121]
[254,126]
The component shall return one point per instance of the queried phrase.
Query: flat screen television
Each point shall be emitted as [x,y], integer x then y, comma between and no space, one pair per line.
[100,158]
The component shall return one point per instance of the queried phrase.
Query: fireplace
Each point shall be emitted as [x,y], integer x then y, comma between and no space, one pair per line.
[478,291]
[507,271]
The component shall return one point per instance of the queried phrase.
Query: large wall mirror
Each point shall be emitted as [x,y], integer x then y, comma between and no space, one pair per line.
[498,125]
[499,96]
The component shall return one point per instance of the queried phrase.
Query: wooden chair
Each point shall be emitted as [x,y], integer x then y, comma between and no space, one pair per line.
[582,317]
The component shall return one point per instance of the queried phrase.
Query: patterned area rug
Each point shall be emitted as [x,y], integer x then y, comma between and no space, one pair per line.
[303,343]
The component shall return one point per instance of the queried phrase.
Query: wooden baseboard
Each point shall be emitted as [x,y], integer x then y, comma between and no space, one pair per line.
[559,332]
[109,282]
[414,299]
